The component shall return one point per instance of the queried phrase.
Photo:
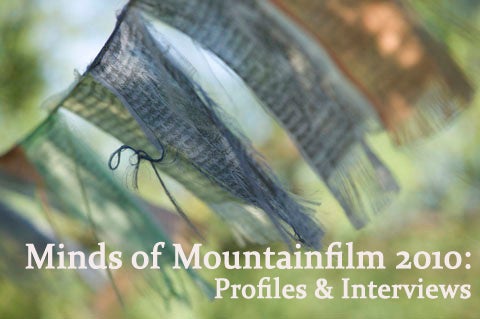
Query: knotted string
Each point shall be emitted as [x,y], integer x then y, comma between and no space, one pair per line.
[139,156]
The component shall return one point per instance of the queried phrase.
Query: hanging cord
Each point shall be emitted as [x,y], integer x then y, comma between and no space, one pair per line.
[135,160]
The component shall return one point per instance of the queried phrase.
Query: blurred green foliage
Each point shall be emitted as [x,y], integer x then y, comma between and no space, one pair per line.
[440,209]
[21,80]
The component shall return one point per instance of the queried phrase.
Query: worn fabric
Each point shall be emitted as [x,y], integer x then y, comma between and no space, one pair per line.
[142,71]
[102,108]
[299,88]
[78,184]
[408,77]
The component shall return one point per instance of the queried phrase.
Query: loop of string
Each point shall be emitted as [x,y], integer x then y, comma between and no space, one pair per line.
[141,155]
[135,160]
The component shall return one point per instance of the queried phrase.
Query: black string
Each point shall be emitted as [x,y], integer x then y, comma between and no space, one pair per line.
[139,156]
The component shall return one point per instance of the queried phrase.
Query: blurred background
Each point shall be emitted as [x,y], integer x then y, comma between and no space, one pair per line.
[42,42]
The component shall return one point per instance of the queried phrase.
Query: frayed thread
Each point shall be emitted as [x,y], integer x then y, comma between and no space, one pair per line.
[135,160]
[362,184]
